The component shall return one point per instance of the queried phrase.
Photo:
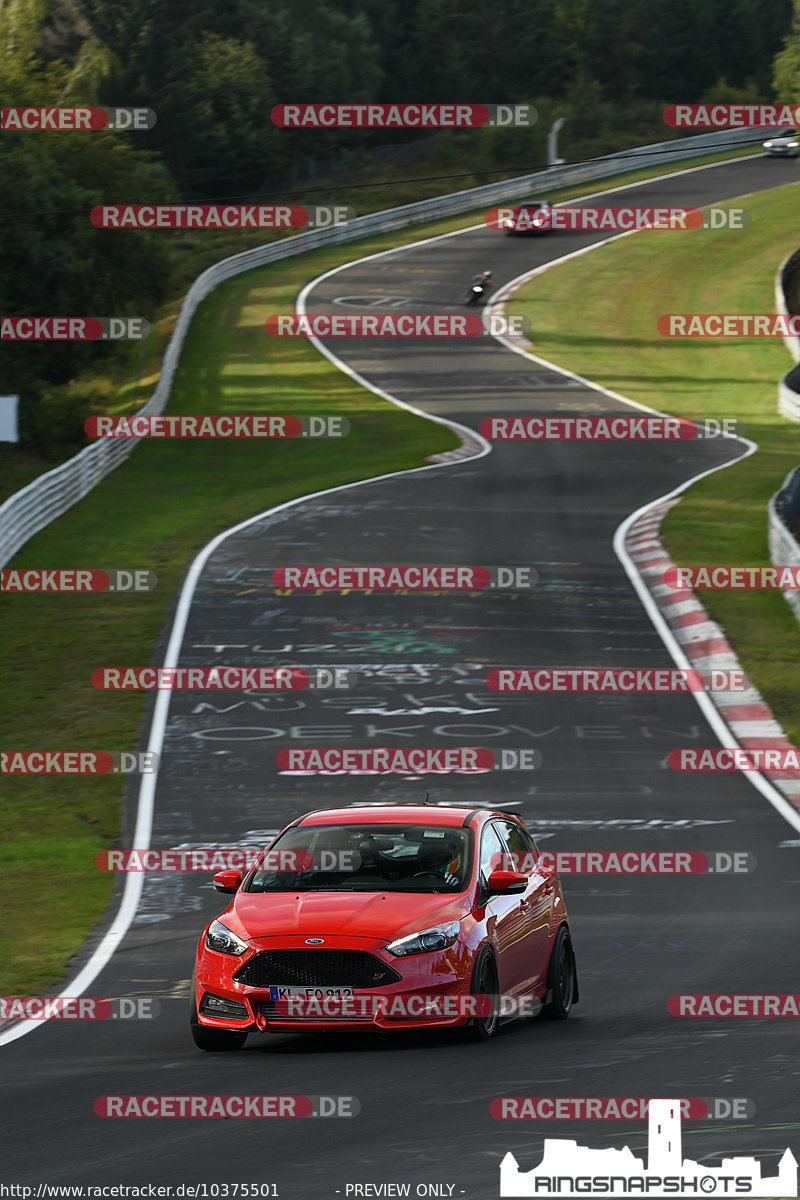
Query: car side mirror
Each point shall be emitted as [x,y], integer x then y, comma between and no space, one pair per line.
[506,883]
[227,881]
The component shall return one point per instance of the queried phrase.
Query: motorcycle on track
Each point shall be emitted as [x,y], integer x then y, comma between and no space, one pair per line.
[479,288]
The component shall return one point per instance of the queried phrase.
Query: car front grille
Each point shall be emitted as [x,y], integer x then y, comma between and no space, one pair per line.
[316,968]
[270,1012]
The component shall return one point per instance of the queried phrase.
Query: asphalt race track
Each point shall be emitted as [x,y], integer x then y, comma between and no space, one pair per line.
[422,662]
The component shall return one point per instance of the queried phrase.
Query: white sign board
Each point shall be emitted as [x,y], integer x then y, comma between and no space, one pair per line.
[9,431]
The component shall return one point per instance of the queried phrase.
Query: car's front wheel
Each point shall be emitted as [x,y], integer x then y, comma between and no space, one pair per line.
[207,1038]
[562,979]
[484,1025]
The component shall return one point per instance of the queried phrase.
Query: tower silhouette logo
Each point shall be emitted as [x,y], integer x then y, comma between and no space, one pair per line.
[568,1169]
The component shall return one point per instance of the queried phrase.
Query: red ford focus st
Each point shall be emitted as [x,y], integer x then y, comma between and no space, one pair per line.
[392,917]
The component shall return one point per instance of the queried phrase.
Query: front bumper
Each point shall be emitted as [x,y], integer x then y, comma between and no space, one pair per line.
[429,991]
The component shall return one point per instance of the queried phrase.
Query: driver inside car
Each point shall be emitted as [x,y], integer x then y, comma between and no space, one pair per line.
[440,858]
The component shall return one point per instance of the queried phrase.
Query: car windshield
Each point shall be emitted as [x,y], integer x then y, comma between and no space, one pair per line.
[367,858]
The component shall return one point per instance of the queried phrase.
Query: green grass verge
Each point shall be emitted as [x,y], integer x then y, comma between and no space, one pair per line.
[614,296]
[156,511]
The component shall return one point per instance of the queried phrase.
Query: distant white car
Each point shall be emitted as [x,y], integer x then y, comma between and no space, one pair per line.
[531,216]
[783,144]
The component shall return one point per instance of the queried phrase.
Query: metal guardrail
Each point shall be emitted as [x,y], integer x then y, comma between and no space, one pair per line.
[782,513]
[787,300]
[48,496]
[783,508]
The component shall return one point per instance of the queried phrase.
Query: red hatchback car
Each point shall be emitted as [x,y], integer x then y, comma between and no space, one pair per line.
[391,917]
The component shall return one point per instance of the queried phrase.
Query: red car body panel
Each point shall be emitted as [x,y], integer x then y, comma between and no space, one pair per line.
[519,929]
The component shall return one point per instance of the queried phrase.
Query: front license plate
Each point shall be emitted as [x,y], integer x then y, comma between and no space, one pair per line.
[281,992]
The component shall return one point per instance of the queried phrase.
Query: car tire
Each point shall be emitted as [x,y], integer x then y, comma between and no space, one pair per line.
[484,983]
[562,979]
[207,1038]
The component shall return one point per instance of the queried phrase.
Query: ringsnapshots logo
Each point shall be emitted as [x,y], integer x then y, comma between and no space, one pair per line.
[402,116]
[568,1169]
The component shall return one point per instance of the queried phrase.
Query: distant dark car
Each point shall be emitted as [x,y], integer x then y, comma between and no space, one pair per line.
[531,216]
[782,144]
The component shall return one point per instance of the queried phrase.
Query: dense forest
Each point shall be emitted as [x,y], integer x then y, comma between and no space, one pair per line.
[212,73]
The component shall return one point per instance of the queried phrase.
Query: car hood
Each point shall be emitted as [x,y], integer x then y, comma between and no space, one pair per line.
[353,914]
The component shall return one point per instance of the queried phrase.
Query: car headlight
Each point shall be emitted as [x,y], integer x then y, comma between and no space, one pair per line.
[438,937]
[792,145]
[767,145]
[221,939]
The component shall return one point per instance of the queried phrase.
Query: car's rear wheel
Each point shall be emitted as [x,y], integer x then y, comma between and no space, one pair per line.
[562,979]
[206,1038]
[483,1026]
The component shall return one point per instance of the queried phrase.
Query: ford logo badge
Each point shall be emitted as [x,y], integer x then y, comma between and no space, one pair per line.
[315,941]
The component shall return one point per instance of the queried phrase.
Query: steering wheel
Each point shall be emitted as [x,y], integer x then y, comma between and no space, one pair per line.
[428,875]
